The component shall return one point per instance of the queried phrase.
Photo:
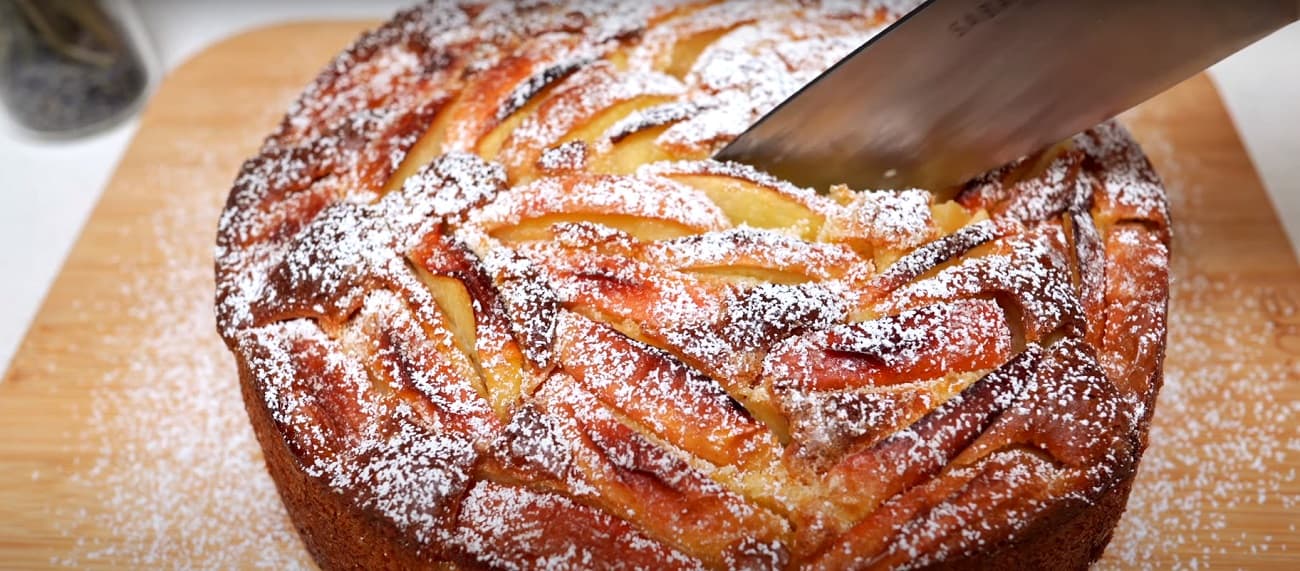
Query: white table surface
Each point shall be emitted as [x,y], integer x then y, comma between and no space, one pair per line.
[47,189]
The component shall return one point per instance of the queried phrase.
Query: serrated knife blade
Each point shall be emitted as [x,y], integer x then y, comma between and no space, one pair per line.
[958,87]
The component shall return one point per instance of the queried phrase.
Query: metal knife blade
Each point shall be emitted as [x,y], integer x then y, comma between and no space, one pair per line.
[958,87]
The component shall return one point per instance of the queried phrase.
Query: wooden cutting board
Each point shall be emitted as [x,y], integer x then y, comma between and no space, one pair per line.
[123,442]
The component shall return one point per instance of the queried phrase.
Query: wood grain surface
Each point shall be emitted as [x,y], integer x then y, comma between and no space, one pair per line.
[123,443]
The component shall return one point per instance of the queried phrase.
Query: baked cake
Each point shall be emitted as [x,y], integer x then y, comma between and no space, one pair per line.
[494,307]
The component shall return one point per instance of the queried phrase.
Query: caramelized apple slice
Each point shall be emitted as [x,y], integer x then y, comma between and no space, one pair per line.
[648,118]
[826,424]
[455,303]
[1137,283]
[1128,187]
[571,443]
[623,289]
[934,255]
[508,86]
[1060,436]
[425,148]
[1047,194]
[1090,272]
[344,431]
[346,251]
[716,326]
[755,320]
[755,254]
[272,187]
[372,144]
[673,45]
[416,359]
[582,108]
[472,307]
[648,208]
[660,306]
[330,388]
[951,216]
[755,205]
[489,145]
[673,401]
[880,222]
[594,129]
[914,345]
[751,197]
[513,527]
[442,191]
[995,188]
[632,141]
[863,480]
[564,159]
[394,76]
[772,70]
[1031,269]
[1070,413]
[632,151]
[530,305]
[499,92]
[928,518]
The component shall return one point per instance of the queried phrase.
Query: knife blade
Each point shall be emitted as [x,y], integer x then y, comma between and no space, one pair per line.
[958,87]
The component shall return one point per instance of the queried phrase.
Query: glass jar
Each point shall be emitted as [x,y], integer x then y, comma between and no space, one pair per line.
[71,67]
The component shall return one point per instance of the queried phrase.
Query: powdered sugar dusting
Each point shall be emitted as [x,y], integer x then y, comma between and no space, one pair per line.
[1221,435]
[657,346]
[188,488]
[883,218]
[177,468]
[581,97]
[743,247]
[660,199]
[746,73]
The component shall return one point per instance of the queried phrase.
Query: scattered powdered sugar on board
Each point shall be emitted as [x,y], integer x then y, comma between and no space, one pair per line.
[1219,436]
[1224,431]
[178,477]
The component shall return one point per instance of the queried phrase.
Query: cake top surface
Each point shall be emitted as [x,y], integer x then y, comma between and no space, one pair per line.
[485,277]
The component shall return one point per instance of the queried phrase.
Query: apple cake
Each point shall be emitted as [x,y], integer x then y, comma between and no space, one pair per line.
[494,306]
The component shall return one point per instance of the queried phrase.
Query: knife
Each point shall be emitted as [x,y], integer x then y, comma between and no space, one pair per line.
[958,87]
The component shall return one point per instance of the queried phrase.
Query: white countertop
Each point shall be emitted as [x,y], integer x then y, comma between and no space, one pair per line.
[47,189]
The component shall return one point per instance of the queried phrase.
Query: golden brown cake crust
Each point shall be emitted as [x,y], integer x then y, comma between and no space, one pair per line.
[493,307]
